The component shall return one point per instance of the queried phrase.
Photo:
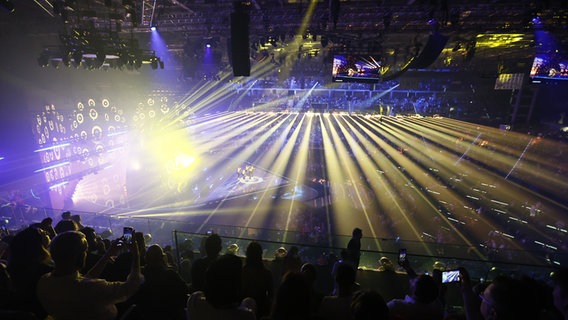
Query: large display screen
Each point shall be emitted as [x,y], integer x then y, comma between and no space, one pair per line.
[549,68]
[356,68]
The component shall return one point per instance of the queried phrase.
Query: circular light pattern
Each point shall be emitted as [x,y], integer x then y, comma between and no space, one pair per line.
[152,114]
[84,135]
[80,118]
[117,118]
[106,103]
[165,109]
[106,189]
[80,106]
[97,132]
[150,102]
[38,119]
[91,102]
[93,114]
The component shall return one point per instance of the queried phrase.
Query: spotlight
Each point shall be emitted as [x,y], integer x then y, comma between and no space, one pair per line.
[208,45]
[153,28]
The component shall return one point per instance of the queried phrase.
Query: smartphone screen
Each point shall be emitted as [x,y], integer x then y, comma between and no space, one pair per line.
[402,256]
[127,235]
[450,276]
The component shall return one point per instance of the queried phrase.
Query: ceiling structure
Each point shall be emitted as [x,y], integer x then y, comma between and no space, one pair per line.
[494,29]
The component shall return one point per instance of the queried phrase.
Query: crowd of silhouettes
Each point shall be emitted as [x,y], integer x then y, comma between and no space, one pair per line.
[70,272]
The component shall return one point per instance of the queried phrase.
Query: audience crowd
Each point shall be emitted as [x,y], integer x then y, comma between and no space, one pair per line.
[68,271]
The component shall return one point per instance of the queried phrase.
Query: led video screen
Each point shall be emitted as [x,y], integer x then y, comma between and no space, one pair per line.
[356,68]
[549,68]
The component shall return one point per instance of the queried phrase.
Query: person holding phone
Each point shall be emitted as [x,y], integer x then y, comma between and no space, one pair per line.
[423,300]
[67,294]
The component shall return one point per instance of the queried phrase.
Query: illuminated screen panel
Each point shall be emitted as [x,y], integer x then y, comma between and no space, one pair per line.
[356,68]
[549,68]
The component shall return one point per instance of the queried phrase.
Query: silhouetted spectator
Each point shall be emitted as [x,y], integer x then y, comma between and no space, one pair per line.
[354,248]
[28,261]
[66,215]
[421,303]
[310,273]
[292,261]
[510,299]
[77,219]
[66,294]
[560,291]
[292,300]
[257,279]
[119,270]
[46,225]
[212,247]
[276,267]
[93,255]
[369,305]
[222,296]
[65,225]
[338,306]
[163,295]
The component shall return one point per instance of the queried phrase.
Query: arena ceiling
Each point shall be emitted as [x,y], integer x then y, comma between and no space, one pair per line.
[497,29]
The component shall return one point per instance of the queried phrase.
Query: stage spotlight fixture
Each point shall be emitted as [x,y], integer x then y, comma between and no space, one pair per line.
[153,28]
[208,45]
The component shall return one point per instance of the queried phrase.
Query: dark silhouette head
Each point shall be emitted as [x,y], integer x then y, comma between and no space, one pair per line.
[369,305]
[213,245]
[424,288]
[254,253]
[292,299]
[223,282]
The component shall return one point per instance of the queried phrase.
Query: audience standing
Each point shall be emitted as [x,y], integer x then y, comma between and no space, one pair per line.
[28,261]
[423,300]
[354,248]
[163,295]
[213,247]
[257,279]
[221,299]
[338,306]
[66,294]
